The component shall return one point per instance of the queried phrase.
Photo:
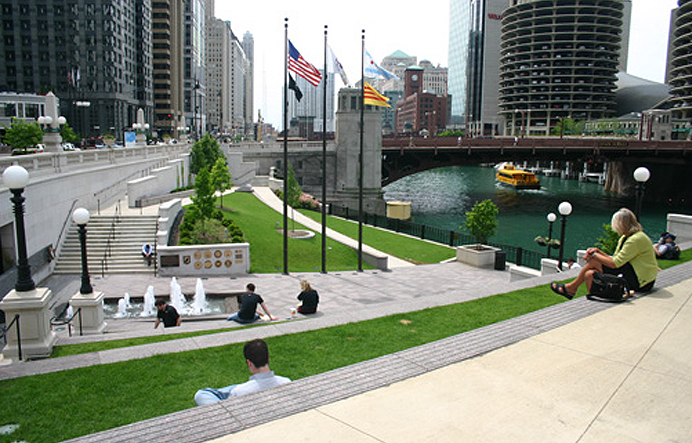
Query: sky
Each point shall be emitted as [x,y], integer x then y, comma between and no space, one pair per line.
[422,31]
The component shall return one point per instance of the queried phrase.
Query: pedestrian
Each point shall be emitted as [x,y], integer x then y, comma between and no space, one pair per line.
[166,314]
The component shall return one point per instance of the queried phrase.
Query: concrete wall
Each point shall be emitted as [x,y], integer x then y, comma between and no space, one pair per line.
[681,226]
[167,214]
[204,260]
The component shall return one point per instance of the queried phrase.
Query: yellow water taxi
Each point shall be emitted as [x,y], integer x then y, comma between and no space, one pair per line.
[517,178]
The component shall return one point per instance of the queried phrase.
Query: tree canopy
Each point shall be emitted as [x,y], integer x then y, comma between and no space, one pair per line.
[481,221]
[21,135]
[221,178]
[204,154]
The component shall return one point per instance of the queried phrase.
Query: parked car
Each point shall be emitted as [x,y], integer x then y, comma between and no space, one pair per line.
[69,147]
[36,149]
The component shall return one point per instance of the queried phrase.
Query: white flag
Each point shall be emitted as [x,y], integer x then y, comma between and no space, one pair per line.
[338,68]
[372,69]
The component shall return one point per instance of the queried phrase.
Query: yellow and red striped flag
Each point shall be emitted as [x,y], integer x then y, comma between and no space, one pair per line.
[372,97]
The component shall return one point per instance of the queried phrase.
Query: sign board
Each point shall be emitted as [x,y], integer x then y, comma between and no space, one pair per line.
[130,139]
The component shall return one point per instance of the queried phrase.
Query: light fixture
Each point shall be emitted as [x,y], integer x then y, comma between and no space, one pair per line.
[81,216]
[565,208]
[15,177]
[642,174]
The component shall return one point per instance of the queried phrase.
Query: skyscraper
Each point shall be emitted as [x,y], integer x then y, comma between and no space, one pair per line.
[168,45]
[249,49]
[98,52]
[474,54]
[679,61]
[559,60]
[311,105]
[194,67]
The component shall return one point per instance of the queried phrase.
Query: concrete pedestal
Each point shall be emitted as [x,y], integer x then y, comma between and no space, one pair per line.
[37,336]
[52,141]
[92,313]
[141,139]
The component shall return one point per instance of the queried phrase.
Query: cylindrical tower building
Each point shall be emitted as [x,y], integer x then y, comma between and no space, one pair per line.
[681,61]
[559,59]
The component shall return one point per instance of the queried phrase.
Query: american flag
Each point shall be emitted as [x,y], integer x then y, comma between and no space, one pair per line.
[301,67]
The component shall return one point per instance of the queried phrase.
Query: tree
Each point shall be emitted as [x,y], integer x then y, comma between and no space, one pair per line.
[221,178]
[204,195]
[608,240]
[481,221]
[568,126]
[204,154]
[294,191]
[21,135]
[68,135]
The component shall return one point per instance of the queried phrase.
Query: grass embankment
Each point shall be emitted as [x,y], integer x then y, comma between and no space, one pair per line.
[685,256]
[259,224]
[58,406]
[401,246]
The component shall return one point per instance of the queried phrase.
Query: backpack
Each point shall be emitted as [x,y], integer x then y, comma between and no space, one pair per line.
[672,253]
[608,288]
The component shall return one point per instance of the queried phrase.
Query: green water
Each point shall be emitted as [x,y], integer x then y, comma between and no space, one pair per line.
[442,196]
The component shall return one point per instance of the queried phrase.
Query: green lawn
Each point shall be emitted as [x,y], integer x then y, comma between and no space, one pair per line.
[407,248]
[685,256]
[259,223]
[62,405]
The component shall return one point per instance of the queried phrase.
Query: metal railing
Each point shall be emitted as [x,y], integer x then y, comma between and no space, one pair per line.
[514,254]
[68,321]
[109,242]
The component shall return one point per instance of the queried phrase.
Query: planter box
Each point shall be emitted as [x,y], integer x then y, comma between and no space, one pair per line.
[480,256]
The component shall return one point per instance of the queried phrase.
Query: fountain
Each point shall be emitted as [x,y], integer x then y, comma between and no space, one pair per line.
[149,310]
[177,297]
[199,302]
[128,305]
[122,309]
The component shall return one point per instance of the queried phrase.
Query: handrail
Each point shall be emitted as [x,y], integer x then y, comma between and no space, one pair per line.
[19,334]
[111,236]
[68,321]
[58,244]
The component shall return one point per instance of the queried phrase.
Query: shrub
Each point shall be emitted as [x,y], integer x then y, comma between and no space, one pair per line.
[481,221]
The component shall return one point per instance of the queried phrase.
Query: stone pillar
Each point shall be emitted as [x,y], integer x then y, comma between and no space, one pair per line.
[37,337]
[92,312]
[51,133]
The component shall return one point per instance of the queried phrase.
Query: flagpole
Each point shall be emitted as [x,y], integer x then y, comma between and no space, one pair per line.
[285,272]
[324,159]
[360,155]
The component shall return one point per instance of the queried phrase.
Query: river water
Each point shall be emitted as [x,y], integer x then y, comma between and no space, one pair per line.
[441,197]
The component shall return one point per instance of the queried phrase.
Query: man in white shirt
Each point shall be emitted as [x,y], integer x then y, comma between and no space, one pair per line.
[257,357]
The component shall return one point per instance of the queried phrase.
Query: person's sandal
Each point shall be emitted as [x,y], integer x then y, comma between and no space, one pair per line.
[561,289]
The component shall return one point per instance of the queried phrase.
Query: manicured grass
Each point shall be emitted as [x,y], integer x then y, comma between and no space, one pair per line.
[259,222]
[685,256]
[58,406]
[406,248]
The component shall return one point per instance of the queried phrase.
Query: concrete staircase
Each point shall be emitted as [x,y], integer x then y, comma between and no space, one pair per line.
[129,233]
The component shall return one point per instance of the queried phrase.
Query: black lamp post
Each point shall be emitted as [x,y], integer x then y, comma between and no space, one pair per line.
[565,209]
[641,176]
[551,219]
[16,178]
[81,217]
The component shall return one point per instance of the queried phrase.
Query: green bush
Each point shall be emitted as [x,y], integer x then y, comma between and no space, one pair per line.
[608,240]
[481,221]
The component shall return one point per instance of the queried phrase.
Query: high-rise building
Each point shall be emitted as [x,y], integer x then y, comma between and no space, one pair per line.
[195,66]
[474,54]
[97,53]
[238,75]
[559,60]
[249,49]
[310,106]
[679,71]
[168,42]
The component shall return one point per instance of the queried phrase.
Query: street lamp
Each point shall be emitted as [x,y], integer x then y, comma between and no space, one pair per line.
[81,217]
[565,209]
[641,176]
[551,219]
[16,178]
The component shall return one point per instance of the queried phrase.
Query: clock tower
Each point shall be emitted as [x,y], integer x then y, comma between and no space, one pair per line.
[413,80]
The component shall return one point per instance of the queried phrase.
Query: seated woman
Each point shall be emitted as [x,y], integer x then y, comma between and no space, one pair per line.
[308,297]
[634,258]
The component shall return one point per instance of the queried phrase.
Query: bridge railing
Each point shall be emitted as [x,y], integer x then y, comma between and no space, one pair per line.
[514,254]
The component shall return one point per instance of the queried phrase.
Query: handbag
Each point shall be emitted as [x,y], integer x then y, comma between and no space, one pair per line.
[608,288]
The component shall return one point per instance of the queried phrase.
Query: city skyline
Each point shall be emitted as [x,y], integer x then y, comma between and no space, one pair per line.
[384,34]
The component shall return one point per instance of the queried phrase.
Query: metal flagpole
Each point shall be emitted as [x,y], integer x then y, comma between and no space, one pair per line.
[285,272]
[324,158]
[360,155]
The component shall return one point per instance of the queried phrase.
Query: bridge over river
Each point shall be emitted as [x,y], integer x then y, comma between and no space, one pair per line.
[669,161]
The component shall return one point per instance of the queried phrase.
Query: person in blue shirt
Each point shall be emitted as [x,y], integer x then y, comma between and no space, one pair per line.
[256,355]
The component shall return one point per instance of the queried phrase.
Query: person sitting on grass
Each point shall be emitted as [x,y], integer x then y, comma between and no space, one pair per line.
[634,259]
[248,307]
[666,247]
[308,297]
[257,358]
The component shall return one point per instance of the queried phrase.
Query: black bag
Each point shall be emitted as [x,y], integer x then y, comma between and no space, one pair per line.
[609,288]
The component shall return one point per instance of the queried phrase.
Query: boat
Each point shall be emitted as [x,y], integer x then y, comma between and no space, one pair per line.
[517,178]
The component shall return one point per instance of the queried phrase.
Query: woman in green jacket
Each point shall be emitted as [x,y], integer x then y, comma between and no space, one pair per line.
[634,258]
